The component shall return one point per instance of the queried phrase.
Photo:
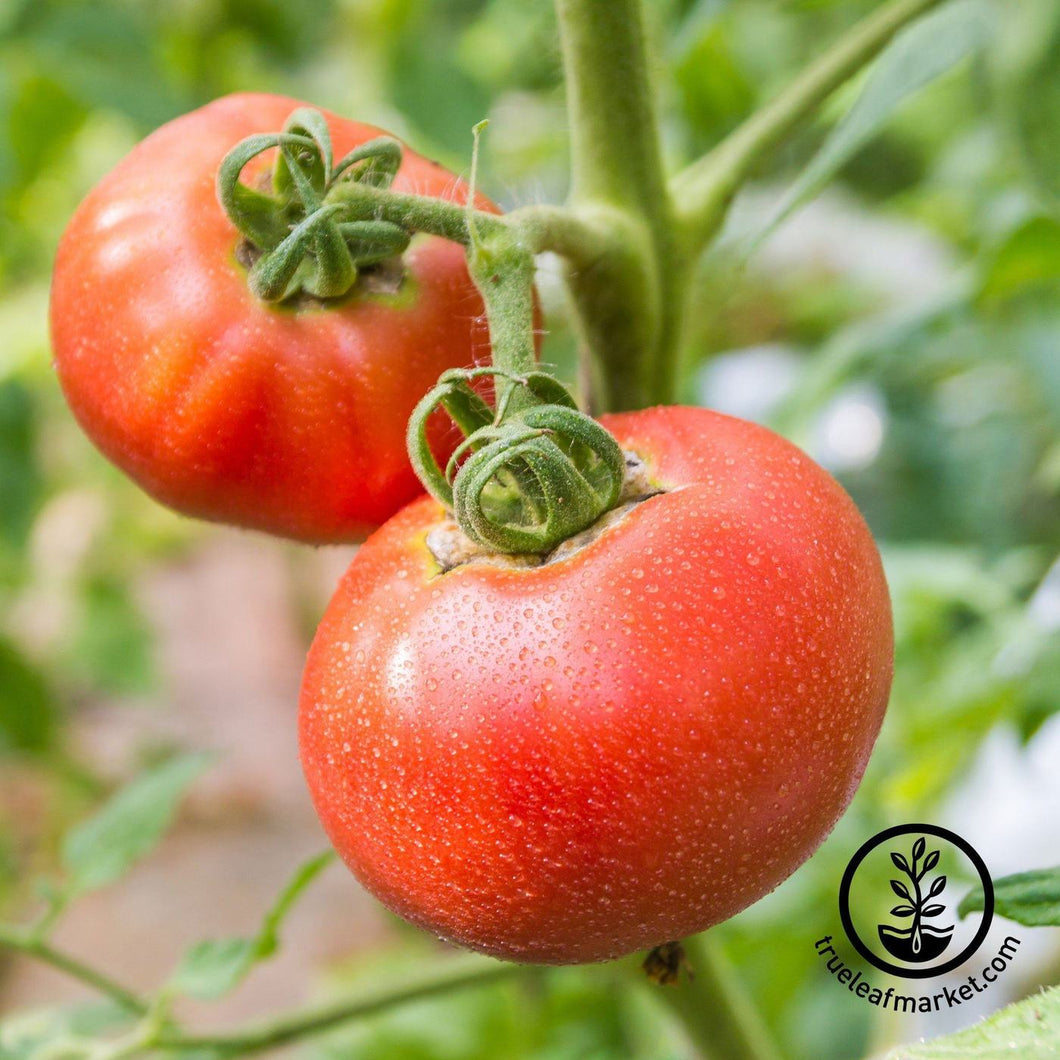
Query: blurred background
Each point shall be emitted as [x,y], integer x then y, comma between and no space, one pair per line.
[904,328]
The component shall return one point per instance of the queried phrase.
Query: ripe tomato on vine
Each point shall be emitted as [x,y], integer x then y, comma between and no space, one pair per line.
[285,415]
[571,757]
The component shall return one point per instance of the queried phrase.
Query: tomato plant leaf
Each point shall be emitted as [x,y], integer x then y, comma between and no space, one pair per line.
[28,710]
[21,483]
[916,57]
[214,967]
[1029,1029]
[129,825]
[1031,898]
[1033,101]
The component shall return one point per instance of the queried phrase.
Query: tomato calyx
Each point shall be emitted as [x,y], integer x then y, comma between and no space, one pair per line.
[300,238]
[451,548]
[531,472]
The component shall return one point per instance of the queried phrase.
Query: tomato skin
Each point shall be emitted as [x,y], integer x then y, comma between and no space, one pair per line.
[571,762]
[290,420]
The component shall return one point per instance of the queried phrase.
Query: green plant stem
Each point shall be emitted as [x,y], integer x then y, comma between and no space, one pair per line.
[717,1013]
[98,981]
[457,975]
[503,271]
[540,228]
[417,213]
[583,241]
[626,304]
[615,155]
[704,191]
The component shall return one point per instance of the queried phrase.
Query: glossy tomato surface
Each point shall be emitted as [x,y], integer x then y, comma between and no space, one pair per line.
[286,419]
[574,761]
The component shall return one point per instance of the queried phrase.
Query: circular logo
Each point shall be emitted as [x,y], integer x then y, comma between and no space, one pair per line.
[896,905]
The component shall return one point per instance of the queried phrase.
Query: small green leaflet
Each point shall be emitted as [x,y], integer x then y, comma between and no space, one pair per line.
[212,968]
[1029,1029]
[916,56]
[1031,898]
[129,825]
[28,711]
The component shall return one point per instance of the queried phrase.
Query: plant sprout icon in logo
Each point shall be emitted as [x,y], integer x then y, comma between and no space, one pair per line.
[912,939]
[920,941]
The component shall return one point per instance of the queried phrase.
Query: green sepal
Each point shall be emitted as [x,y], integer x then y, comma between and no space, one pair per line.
[525,493]
[467,410]
[372,241]
[381,158]
[306,122]
[522,481]
[260,218]
[272,275]
[308,241]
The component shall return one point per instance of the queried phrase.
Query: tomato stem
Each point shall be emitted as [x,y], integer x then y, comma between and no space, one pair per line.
[455,974]
[704,190]
[626,305]
[714,1008]
[32,945]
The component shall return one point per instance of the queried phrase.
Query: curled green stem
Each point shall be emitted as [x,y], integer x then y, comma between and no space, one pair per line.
[302,235]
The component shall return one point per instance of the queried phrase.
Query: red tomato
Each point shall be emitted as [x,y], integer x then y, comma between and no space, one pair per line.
[289,419]
[577,760]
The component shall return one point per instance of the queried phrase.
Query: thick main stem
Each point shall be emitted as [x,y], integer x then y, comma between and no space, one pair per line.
[615,155]
[626,303]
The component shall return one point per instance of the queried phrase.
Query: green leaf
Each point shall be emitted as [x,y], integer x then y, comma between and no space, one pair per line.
[111,648]
[129,825]
[21,483]
[917,56]
[1029,256]
[28,711]
[210,969]
[1031,898]
[214,967]
[1033,103]
[1029,1029]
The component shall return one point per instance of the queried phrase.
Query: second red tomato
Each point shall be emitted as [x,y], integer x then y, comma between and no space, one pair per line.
[287,418]
[626,744]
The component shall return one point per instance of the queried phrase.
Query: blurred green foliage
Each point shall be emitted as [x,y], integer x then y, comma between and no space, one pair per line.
[964,491]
